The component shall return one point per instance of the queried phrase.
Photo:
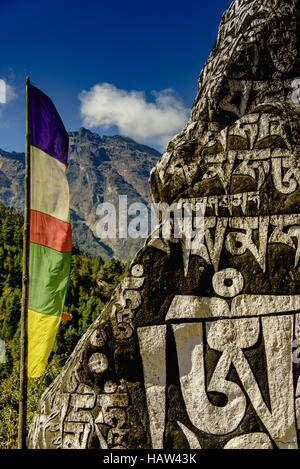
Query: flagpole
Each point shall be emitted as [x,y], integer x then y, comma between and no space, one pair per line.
[25,286]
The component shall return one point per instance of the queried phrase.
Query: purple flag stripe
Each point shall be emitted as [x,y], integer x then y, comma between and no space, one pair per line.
[47,129]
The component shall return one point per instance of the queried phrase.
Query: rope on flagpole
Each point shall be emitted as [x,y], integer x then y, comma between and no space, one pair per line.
[25,287]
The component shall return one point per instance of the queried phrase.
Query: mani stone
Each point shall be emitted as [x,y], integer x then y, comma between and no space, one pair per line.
[198,347]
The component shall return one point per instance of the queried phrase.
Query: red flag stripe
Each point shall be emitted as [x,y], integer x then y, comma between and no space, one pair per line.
[50,232]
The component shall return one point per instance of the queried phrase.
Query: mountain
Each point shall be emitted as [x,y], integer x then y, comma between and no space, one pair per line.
[100,169]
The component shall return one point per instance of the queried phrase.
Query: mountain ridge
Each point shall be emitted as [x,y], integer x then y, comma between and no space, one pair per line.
[106,167]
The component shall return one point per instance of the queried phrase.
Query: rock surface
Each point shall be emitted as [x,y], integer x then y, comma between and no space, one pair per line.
[100,168]
[198,346]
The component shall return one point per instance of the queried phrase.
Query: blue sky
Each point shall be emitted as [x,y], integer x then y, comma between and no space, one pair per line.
[101,61]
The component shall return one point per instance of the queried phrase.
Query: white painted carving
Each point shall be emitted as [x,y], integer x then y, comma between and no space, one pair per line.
[195,307]
[110,387]
[287,183]
[215,244]
[228,282]
[204,415]
[287,237]
[250,441]
[223,170]
[98,338]
[152,342]
[112,411]
[252,168]
[280,422]
[259,305]
[98,363]
[76,436]
[295,94]
[79,407]
[238,243]
[278,335]
[190,436]
[231,336]
[237,235]
[137,270]
[129,300]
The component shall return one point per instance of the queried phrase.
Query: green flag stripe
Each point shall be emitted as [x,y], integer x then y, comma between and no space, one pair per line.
[48,279]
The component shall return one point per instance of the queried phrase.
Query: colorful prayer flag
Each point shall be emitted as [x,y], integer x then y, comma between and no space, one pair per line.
[50,229]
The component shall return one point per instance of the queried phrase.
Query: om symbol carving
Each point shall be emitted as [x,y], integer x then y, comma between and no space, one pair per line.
[229,330]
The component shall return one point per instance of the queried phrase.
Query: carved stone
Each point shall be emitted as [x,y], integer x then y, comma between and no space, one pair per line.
[198,345]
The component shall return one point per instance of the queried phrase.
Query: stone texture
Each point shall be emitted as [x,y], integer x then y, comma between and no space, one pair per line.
[196,348]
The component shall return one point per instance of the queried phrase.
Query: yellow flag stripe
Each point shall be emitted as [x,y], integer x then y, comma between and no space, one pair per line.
[42,330]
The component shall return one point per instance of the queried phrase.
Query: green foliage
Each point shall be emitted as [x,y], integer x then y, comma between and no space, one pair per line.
[91,284]
[9,400]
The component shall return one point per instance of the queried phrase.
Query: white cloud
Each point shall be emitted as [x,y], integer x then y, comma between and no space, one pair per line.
[10,93]
[104,105]
[7,92]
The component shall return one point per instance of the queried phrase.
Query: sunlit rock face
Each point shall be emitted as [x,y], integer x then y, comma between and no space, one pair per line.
[198,346]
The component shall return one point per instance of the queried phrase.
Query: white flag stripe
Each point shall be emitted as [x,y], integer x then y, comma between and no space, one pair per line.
[49,186]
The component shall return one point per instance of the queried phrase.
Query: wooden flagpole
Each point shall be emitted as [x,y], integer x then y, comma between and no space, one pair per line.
[25,286]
